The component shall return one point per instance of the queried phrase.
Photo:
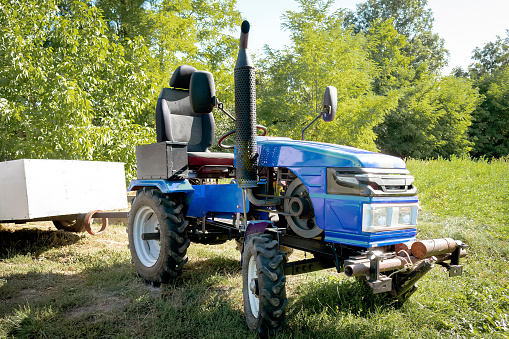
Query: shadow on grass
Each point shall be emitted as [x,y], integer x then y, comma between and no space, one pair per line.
[346,296]
[337,308]
[105,299]
[213,264]
[34,241]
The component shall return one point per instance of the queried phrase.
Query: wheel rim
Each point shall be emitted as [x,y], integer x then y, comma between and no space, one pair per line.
[147,251]
[254,303]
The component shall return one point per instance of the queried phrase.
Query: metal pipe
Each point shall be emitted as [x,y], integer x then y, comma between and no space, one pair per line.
[428,248]
[244,194]
[395,263]
[312,122]
[362,268]
[245,114]
[404,246]
[257,202]
[151,236]
[244,35]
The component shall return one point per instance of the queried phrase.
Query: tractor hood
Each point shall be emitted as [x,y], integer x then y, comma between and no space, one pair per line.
[285,152]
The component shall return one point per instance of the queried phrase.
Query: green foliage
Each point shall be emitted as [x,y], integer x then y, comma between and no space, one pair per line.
[70,88]
[125,19]
[492,57]
[67,92]
[291,82]
[431,120]
[432,114]
[177,32]
[395,68]
[79,79]
[383,60]
[412,19]
[490,127]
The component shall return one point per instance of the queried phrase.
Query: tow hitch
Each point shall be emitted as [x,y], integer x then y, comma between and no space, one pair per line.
[398,271]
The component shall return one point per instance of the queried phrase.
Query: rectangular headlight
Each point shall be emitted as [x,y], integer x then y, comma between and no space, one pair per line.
[388,217]
[405,215]
[379,216]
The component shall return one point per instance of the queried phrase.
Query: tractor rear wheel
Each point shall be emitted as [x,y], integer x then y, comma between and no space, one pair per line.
[263,284]
[157,237]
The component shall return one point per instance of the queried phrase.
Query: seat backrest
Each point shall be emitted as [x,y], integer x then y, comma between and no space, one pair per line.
[175,119]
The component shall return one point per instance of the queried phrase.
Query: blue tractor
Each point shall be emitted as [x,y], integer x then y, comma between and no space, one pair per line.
[353,210]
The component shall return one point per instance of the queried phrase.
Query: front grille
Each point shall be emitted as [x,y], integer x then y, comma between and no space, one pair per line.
[369,182]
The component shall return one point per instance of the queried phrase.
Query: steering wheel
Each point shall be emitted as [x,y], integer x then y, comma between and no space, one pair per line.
[227,134]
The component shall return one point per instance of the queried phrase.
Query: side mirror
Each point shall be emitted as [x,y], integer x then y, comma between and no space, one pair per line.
[202,92]
[329,106]
[330,103]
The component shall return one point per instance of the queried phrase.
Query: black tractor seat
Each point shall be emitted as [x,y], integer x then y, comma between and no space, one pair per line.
[177,121]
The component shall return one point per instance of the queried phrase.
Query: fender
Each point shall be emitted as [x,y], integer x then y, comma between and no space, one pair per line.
[165,186]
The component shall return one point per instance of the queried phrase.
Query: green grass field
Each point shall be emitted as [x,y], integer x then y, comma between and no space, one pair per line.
[55,284]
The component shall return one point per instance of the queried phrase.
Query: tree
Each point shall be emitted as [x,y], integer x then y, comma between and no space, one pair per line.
[492,57]
[66,91]
[177,32]
[431,120]
[490,126]
[411,19]
[291,82]
[409,57]
[387,52]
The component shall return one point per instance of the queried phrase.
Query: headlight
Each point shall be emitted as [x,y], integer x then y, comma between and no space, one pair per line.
[388,217]
[379,217]
[405,215]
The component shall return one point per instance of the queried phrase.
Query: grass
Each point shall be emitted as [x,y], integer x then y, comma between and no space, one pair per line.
[476,190]
[59,285]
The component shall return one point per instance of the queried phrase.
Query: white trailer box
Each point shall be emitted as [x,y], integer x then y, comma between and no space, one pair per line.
[31,188]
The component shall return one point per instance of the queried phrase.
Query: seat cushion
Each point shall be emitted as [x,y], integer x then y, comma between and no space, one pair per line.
[210,158]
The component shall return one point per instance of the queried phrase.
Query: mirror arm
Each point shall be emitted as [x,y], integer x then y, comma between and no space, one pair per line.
[220,106]
[312,122]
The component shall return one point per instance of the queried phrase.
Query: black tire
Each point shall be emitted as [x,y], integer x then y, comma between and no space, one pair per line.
[70,225]
[263,284]
[157,261]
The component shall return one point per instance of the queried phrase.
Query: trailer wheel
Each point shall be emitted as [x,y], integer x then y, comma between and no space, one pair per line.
[70,225]
[263,284]
[157,237]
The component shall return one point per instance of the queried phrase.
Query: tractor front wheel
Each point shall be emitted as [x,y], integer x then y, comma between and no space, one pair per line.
[157,237]
[263,285]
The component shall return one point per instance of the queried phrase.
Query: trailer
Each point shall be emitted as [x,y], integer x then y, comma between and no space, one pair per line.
[70,193]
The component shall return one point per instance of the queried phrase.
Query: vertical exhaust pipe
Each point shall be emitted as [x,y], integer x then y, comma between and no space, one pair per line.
[245,114]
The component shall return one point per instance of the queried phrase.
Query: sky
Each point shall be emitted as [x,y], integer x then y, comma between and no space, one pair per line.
[463,24]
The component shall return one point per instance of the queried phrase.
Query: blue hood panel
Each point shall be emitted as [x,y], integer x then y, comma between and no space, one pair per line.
[285,152]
